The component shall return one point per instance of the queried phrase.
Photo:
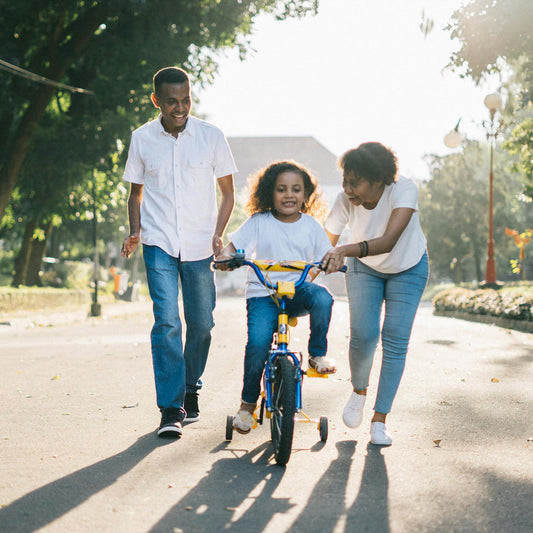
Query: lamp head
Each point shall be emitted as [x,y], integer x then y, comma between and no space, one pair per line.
[493,101]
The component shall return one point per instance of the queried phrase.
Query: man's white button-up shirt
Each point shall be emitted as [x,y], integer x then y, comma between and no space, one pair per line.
[179,208]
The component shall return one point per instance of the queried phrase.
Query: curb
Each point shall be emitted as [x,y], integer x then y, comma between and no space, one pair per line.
[507,323]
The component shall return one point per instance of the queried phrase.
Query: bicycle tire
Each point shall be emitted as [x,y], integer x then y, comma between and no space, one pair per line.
[284,405]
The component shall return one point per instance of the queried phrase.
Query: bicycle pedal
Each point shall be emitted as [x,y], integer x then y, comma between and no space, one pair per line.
[312,373]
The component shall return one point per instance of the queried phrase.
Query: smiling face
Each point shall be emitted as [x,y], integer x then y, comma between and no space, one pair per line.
[174,102]
[289,196]
[361,191]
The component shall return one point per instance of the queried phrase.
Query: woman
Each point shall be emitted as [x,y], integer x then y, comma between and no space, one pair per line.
[387,262]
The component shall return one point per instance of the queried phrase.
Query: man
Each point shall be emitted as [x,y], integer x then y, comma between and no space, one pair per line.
[174,164]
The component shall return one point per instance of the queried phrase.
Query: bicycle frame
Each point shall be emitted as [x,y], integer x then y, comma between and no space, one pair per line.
[283,291]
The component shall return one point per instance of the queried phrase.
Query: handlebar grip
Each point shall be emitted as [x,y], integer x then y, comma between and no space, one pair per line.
[343,269]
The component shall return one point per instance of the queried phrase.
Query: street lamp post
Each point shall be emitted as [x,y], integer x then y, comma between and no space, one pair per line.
[96,308]
[493,102]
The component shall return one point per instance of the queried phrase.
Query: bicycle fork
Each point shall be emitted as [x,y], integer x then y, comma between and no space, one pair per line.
[282,351]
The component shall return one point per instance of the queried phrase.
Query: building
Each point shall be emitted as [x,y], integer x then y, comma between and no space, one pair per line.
[253,153]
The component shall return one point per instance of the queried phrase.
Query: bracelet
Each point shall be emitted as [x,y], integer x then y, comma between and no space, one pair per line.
[363,246]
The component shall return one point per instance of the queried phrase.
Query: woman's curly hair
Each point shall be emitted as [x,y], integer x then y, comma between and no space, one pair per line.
[371,162]
[262,184]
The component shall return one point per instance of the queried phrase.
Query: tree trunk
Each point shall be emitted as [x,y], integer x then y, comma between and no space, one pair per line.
[23,257]
[35,263]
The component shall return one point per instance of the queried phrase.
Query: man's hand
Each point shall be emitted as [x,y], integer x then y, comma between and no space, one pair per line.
[217,244]
[130,245]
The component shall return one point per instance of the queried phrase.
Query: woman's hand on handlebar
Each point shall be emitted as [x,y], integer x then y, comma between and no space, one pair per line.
[333,261]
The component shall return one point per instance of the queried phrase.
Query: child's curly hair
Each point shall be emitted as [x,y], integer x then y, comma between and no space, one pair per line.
[262,184]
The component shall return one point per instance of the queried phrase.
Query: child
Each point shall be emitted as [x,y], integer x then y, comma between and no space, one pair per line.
[283,197]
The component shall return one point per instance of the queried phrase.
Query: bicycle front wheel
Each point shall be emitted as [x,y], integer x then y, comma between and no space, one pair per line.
[284,408]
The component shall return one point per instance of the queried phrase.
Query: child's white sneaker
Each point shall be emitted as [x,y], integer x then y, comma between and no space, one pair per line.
[243,421]
[379,434]
[352,415]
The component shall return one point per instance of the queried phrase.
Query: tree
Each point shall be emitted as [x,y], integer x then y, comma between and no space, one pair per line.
[454,214]
[52,140]
[111,47]
[497,36]
[452,206]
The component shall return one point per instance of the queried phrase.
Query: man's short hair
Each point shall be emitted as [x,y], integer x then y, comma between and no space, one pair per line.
[169,75]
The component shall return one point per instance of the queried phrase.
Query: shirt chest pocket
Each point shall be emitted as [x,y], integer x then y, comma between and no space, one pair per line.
[154,175]
[199,169]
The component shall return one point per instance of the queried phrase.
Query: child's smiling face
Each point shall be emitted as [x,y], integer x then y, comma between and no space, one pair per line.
[289,196]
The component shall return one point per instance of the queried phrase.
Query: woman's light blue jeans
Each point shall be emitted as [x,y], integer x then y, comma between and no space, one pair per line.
[367,291]
[310,299]
[178,370]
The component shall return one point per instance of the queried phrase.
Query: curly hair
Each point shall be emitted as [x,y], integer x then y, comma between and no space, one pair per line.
[371,162]
[261,186]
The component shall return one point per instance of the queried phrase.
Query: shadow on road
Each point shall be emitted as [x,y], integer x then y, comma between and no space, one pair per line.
[327,510]
[242,487]
[46,504]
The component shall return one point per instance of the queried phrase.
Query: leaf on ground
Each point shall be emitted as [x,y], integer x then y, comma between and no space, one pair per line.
[495,380]
[54,378]
[437,442]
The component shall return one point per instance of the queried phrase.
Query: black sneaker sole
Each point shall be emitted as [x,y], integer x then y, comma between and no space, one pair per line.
[170,432]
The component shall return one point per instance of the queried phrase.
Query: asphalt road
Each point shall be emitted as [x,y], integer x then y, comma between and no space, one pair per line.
[78,451]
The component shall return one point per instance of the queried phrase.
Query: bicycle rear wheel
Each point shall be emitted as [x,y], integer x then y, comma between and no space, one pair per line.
[284,405]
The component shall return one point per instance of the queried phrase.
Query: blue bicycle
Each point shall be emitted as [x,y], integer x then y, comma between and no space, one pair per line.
[281,397]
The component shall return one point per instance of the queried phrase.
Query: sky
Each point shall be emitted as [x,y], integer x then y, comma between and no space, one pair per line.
[360,70]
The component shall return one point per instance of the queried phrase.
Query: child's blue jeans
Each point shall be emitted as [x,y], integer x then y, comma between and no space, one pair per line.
[310,299]
[367,291]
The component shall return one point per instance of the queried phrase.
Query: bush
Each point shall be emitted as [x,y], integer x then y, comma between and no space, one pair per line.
[511,303]
[70,275]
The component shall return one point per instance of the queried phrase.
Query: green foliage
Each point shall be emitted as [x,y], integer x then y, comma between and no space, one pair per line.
[67,149]
[454,213]
[516,305]
[69,275]
[520,144]
[497,36]
[491,34]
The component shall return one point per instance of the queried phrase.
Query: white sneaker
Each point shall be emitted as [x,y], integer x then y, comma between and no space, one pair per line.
[379,434]
[352,415]
[243,421]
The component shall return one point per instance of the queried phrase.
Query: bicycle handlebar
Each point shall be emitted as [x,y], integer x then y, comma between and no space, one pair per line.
[238,260]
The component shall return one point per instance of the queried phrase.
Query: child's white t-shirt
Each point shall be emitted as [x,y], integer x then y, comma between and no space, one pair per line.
[366,224]
[263,237]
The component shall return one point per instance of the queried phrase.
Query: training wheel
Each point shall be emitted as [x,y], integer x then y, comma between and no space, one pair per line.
[229,427]
[323,428]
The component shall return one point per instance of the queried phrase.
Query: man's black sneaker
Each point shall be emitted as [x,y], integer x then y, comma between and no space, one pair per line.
[191,406]
[170,423]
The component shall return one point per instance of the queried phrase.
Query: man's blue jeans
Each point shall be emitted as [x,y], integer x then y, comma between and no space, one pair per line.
[367,290]
[310,299]
[178,370]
